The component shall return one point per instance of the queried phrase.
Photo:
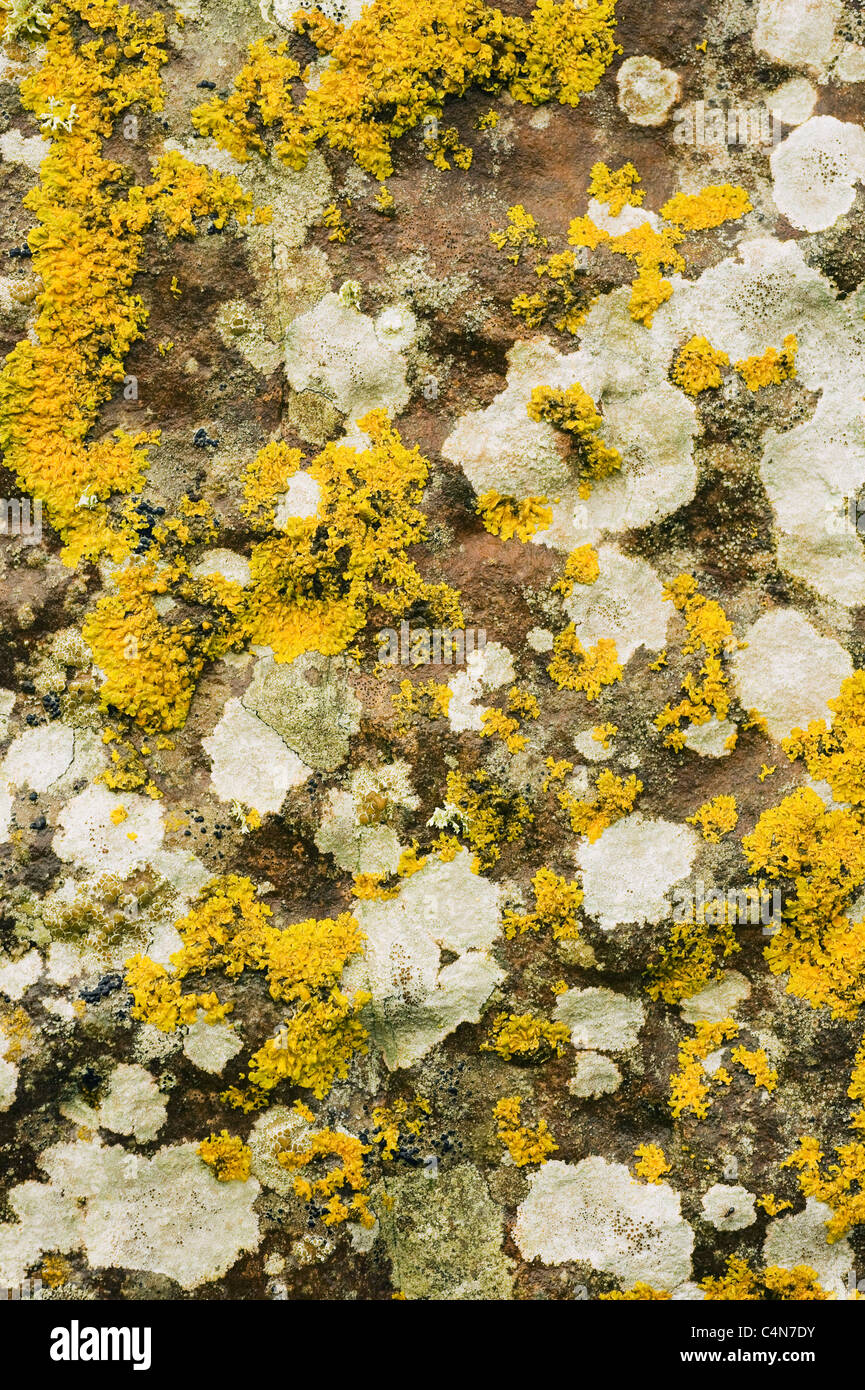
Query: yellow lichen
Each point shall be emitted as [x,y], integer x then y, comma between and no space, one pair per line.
[556,906]
[508,517]
[698,366]
[653,1163]
[581,567]
[771,367]
[574,667]
[715,818]
[614,798]
[616,188]
[525,1143]
[526,1037]
[396,66]
[689,1088]
[227,1155]
[574,413]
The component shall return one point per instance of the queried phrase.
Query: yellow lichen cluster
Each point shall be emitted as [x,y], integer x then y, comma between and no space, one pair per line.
[227,1155]
[526,1037]
[521,231]
[653,1162]
[821,851]
[86,248]
[347,1179]
[841,1186]
[652,251]
[497,723]
[574,413]
[709,632]
[429,699]
[265,477]
[447,145]
[771,367]
[616,188]
[400,1117]
[715,818]
[581,567]
[509,517]
[614,798]
[698,366]
[228,930]
[312,585]
[697,212]
[689,1089]
[397,65]
[525,1143]
[557,903]
[741,1283]
[757,1063]
[575,667]
[693,955]
[489,814]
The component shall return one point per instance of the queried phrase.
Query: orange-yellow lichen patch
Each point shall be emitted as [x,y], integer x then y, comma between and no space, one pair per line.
[616,187]
[509,517]
[709,632]
[717,203]
[574,413]
[312,586]
[86,248]
[715,818]
[347,1179]
[574,667]
[556,906]
[526,1037]
[653,1162]
[614,798]
[397,65]
[525,1143]
[227,1156]
[689,1087]
[822,852]
[581,567]
[841,1185]
[771,367]
[698,366]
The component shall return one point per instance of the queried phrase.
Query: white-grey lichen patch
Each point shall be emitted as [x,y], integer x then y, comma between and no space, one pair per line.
[729,1207]
[625,604]
[356,827]
[717,1000]
[133,1104]
[417,1000]
[594,1075]
[647,90]
[601,1018]
[815,170]
[167,1214]
[788,671]
[310,704]
[334,349]
[209,1046]
[444,1236]
[250,763]
[595,1211]
[801,1239]
[629,871]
